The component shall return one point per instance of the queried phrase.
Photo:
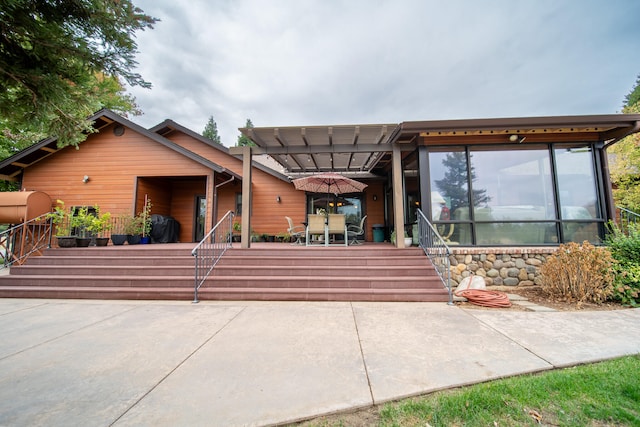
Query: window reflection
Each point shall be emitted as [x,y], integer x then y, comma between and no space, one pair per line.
[517,184]
[576,183]
[513,195]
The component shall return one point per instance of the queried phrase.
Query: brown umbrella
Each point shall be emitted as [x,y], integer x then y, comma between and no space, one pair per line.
[330,183]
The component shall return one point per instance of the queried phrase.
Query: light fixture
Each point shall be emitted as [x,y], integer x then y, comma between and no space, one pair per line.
[278,199]
[375,198]
[517,138]
[85,179]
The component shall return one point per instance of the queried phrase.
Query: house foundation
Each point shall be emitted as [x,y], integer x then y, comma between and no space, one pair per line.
[500,266]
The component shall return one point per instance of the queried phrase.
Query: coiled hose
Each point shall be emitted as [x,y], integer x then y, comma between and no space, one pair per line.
[485,298]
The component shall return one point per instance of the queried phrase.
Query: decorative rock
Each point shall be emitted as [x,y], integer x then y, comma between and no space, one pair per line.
[534,261]
[513,272]
[520,263]
[491,257]
[511,281]
[468,259]
[523,275]
[525,283]
[461,267]
[498,264]
[493,273]
[481,272]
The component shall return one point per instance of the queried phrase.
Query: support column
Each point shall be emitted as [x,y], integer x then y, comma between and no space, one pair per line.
[398,196]
[245,241]
[425,194]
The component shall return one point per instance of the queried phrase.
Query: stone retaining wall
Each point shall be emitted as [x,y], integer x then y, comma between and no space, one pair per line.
[499,266]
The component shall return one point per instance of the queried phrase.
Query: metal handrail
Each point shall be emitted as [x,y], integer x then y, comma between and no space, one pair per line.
[208,252]
[626,218]
[20,241]
[436,249]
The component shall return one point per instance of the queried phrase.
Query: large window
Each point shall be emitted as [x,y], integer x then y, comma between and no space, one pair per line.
[489,196]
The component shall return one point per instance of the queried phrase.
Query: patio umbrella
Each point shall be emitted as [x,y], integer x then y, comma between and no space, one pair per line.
[330,183]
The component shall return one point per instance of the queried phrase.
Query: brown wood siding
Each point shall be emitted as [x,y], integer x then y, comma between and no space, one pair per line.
[268,216]
[183,206]
[114,165]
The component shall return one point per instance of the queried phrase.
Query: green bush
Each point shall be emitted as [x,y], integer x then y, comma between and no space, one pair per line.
[578,273]
[625,249]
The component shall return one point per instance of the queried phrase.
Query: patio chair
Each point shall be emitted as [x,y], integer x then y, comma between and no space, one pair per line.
[316,226]
[337,225]
[296,231]
[354,231]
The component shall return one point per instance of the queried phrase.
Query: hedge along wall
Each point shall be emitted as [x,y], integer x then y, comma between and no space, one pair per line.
[499,266]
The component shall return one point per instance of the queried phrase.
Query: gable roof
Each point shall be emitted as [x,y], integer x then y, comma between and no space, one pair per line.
[14,165]
[169,125]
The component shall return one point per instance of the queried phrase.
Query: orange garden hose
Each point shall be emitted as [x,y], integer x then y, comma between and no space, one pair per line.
[485,298]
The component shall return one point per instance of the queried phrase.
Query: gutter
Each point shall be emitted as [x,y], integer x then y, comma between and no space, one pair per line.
[215,197]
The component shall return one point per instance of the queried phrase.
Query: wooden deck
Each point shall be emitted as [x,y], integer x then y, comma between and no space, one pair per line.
[266,271]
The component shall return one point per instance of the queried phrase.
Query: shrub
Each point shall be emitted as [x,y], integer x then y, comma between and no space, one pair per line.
[625,249]
[578,273]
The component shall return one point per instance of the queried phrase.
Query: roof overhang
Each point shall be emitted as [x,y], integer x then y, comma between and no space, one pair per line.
[363,149]
[13,166]
[604,128]
[353,149]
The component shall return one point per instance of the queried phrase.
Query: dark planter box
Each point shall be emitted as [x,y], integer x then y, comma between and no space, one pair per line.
[133,239]
[118,239]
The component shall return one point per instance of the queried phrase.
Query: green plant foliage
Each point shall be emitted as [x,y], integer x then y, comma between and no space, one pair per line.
[599,394]
[578,273]
[625,249]
[59,60]
[211,131]
[243,140]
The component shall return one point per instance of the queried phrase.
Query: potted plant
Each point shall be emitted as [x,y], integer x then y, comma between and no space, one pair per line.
[237,229]
[80,224]
[100,224]
[133,228]
[144,217]
[61,219]
[118,233]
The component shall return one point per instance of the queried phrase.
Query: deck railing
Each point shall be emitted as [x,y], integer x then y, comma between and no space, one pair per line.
[208,252]
[436,249]
[19,241]
[626,218]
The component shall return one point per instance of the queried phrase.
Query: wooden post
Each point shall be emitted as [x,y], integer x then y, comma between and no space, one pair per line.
[245,242]
[398,197]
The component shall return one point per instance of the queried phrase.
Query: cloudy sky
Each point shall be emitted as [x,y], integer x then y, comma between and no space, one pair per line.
[323,62]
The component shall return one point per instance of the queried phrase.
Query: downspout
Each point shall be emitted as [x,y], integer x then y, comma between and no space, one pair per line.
[215,197]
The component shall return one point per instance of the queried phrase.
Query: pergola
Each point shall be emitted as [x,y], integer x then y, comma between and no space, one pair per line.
[370,149]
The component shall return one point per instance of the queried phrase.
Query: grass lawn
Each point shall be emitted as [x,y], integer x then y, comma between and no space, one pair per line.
[600,394]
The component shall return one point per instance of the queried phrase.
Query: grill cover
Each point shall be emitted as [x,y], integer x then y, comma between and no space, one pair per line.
[164,229]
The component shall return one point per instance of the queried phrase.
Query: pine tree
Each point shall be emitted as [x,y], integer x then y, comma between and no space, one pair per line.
[243,140]
[211,131]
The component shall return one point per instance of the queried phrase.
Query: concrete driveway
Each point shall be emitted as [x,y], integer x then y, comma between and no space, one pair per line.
[125,363]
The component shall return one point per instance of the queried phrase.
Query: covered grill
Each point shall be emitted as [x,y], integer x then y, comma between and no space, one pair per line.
[17,207]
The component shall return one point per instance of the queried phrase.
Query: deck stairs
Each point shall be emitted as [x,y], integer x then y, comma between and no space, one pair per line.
[269,272]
